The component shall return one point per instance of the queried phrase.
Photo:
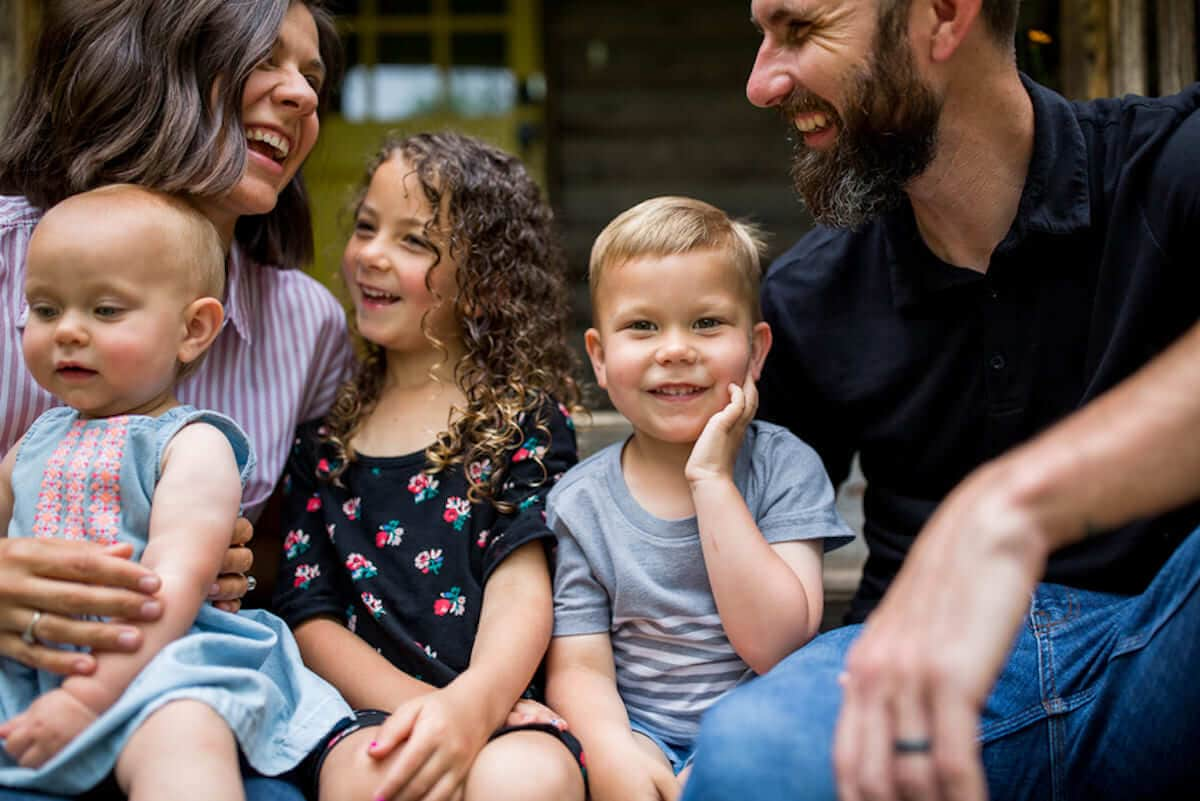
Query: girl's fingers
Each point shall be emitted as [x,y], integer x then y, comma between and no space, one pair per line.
[395,730]
[400,780]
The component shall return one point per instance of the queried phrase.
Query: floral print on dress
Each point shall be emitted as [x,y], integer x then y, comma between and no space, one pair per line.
[479,471]
[429,561]
[351,618]
[295,543]
[530,501]
[360,567]
[314,503]
[457,512]
[304,575]
[451,602]
[532,449]
[482,539]
[390,534]
[374,605]
[350,508]
[423,487]
[329,529]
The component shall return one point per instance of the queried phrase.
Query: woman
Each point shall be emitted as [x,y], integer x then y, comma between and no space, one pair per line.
[217,99]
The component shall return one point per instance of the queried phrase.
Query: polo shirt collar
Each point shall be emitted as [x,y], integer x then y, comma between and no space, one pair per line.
[1056,200]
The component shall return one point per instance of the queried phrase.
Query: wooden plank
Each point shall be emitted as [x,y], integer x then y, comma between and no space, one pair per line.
[741,156]
[1128,25]
[639,111]
[1176,36]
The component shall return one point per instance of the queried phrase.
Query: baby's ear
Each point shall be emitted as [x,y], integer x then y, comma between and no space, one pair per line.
[760,346]
[202,322]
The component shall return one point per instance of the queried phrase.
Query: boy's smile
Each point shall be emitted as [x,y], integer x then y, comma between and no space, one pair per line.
[673,332]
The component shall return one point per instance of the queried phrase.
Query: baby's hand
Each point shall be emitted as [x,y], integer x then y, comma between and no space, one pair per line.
[45,728]
[526,712]
[714,453]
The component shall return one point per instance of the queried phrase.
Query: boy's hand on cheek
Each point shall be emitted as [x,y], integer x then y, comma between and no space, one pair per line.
[714,453]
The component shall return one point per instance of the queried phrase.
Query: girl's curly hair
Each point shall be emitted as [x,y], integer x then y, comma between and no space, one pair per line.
[511,306]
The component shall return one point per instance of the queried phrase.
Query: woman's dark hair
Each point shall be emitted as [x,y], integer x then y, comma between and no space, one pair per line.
[150,92]
[511,304]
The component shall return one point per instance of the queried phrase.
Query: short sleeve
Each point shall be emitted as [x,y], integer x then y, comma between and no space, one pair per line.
[793,498]
[546,452]
[306,586]
[581,604]
[239,441]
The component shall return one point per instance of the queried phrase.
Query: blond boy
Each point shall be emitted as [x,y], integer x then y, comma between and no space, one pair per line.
[689,556]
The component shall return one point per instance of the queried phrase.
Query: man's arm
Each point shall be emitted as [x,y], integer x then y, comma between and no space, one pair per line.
[932,650]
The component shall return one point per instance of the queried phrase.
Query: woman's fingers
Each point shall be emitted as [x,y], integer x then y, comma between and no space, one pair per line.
[25,559]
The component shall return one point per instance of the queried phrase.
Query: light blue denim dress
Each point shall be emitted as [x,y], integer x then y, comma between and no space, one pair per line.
[84,479]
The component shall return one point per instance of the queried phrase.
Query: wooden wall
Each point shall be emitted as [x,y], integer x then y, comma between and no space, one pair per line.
[649,99]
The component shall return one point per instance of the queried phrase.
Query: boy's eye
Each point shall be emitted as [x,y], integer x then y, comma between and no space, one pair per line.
[43,311]
[107,311]
[641,325]
[707,322]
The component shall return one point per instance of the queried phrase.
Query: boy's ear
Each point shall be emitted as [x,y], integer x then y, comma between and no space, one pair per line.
[595,352]
[760,346]
[202,322]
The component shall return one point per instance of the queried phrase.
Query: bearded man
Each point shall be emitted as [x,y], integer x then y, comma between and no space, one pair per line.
[998,311]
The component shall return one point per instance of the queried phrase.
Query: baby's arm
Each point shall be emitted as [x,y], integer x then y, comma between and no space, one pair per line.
[769,596]
[442,732]
[6,490]
[192,512]
[581,684]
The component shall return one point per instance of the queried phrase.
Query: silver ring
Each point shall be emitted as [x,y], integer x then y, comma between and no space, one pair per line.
[251,583]
[29,636]
[912,745]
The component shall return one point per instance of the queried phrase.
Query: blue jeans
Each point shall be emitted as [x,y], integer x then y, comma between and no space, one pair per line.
[258,788]
[1099,700]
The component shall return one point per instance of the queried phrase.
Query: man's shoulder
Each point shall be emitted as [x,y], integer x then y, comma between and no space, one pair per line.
[1134,128]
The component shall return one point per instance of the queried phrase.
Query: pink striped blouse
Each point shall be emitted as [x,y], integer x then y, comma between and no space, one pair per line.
[276,363]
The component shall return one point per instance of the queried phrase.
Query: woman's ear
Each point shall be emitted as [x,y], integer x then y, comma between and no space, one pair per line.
[202,322]
[760,346]
[595,352]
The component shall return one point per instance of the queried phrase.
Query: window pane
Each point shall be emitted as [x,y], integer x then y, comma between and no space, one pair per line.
[406,8]
[405,48]
[479,49]
[478,6]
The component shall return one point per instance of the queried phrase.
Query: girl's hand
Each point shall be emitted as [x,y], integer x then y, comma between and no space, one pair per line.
[65,581]
[232,585]
[525,712]
[45,728]
[714,453]
[640,779]
[436,738]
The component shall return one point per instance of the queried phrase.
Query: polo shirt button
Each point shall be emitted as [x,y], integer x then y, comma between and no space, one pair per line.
[997,362]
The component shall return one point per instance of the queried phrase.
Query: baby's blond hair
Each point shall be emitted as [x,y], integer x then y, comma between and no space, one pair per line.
[672,225]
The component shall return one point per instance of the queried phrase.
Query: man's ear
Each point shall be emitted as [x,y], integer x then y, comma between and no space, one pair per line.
[595,352]
[760,346]
[950,21]
[202,322]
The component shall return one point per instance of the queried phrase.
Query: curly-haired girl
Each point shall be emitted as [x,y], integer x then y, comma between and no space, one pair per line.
[415,572]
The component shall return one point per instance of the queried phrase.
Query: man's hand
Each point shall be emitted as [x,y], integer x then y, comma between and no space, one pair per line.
[929,655]
[65,581]
[715,451]
[45,728]
[232,585]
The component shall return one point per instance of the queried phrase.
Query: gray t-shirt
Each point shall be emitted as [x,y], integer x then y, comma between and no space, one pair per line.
[642,580]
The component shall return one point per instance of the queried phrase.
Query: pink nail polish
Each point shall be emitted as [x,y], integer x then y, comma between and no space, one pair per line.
[372,746]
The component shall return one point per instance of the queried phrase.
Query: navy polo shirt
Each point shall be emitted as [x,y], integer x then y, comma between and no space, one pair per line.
[929,370]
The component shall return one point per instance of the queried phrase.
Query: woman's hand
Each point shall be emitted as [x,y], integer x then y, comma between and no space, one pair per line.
[233,583]
[65,580]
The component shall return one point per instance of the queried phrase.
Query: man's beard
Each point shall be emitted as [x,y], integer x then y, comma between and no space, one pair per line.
[887,137]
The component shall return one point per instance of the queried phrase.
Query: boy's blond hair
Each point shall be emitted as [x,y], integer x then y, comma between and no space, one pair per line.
[672,225]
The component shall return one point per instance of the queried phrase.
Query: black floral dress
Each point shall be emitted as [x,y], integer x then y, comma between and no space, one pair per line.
[401,557]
